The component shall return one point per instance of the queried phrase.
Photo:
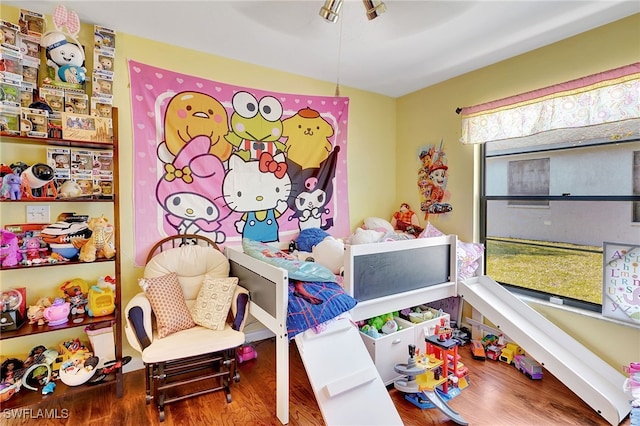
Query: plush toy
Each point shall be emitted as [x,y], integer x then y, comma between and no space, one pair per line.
[63,50]
[330,253]
[310,237]
[99,245]
[9,250]
[32,251]
[69,189]
[11,186]
[365,236]
[406,220]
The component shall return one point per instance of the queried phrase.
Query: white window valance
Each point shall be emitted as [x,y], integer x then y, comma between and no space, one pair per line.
[604,106]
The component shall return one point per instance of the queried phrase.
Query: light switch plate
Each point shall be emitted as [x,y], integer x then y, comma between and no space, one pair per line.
[38,214]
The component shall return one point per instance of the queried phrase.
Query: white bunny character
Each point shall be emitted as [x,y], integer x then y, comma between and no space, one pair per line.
[64,53]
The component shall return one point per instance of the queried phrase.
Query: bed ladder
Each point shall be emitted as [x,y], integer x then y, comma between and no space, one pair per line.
[344,379]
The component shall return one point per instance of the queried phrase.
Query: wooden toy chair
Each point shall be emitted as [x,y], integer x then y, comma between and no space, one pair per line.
[196,353]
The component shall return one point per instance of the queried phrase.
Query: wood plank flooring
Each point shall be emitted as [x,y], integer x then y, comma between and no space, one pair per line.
[498,395]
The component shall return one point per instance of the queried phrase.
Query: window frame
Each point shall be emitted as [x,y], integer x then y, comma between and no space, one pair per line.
[484,199]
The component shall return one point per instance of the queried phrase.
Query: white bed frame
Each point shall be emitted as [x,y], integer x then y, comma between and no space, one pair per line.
[268,286]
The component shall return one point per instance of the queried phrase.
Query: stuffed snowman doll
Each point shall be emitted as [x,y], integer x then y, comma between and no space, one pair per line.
[64,56]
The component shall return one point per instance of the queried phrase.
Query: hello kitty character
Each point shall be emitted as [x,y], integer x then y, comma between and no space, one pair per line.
[259,190]
[64,53]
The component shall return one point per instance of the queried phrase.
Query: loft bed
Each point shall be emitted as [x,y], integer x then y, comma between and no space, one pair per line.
[382,277]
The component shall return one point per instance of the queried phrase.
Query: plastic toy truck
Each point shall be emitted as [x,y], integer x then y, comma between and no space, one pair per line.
[510,351]
[477,350]
[528,366]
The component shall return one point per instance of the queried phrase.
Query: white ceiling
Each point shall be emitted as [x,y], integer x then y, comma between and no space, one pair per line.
[413,45]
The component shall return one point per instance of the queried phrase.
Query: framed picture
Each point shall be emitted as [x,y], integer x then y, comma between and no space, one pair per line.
[621,282]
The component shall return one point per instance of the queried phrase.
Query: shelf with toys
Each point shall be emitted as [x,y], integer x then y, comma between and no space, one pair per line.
[37,283]
[59,140]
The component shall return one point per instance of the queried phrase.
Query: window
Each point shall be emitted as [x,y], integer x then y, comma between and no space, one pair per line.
[548,209]
[528,177]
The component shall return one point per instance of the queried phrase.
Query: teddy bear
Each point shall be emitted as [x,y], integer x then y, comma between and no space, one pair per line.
[99,245]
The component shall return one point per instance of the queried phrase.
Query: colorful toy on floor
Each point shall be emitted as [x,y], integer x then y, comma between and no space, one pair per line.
[418,394]
[246,353]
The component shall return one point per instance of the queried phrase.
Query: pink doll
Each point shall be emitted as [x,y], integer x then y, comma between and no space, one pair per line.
[32,250]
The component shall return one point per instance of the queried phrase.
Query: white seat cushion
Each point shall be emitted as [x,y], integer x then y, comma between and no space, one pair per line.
[194,341]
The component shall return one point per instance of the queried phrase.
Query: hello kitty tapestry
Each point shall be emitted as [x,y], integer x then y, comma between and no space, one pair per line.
[231,162]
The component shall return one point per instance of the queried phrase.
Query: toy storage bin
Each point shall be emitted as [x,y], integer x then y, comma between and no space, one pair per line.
[390,349]
[103,344]
[428,327]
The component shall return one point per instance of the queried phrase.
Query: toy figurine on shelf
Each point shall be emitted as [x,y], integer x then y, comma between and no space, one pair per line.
[32,251]
[37,182]
[11,187]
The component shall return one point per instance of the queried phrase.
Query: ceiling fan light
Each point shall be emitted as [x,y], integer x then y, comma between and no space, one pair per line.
[330,10]
[374,8]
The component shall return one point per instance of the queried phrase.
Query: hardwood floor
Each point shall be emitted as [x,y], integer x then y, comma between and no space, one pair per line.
[498,395]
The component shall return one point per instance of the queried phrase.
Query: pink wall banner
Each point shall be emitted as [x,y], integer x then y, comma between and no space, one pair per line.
[231,162]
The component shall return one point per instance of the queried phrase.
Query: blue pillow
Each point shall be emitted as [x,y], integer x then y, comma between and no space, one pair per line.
[298,269]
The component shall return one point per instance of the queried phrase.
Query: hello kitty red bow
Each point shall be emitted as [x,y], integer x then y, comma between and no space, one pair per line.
[269,165]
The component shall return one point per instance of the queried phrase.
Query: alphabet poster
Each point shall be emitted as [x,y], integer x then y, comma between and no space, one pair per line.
[231,162]
[621,282]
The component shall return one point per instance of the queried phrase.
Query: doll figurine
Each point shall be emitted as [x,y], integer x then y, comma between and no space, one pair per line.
[406,220]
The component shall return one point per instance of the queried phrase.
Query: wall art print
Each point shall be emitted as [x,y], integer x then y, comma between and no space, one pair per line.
[432,181]
[232,162]
[621,282]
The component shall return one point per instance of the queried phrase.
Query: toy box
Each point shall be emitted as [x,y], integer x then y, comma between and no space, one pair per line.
[26,97]
[101,106]
[30,68]
[55,126]
[60,160]
[25,230]
[54,97]
[76,102]
[12,65]
[103,60]
[103,173]
[9,35]
[9,120]
[102,84]
[31,23]
[36,121]
[29,46]
[89,128]
[104,38]
[9,93]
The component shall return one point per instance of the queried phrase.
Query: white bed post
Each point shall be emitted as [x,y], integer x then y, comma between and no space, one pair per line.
[282,351]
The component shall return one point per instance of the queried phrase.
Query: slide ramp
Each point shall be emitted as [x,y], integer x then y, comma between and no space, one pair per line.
[346,383]
[588,376]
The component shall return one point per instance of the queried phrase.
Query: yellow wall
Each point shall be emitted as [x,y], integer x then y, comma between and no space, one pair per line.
[377,124]
[432,110]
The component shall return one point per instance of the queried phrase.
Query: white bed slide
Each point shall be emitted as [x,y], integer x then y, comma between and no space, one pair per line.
[345,381]
[587,375]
